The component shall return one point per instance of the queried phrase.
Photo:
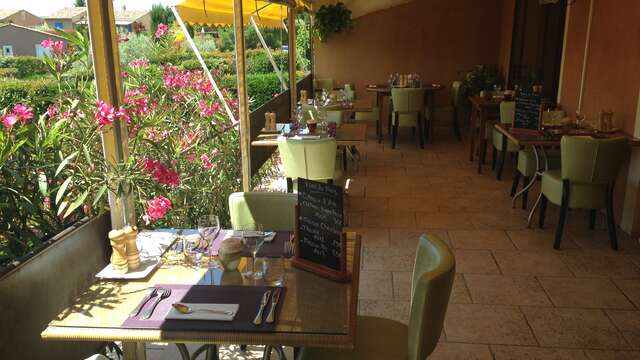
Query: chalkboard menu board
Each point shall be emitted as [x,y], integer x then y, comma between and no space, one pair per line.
[320,243]
[528,112]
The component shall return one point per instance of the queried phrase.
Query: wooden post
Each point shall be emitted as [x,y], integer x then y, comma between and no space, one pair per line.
[243,108]
[106,67]
[291,15]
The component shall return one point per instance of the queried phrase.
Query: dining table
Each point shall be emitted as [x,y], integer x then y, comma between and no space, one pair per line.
[546,139]
[314,311]
[384,90]
[482,110]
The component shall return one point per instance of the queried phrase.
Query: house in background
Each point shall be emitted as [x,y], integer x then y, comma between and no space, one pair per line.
[67,18]
[20,17]
[129,20]
[16,40]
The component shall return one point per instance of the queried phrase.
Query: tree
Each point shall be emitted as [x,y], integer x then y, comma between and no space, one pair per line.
[160,14]
[80,3]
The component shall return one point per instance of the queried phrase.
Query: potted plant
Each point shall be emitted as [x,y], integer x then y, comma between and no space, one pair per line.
[332,19]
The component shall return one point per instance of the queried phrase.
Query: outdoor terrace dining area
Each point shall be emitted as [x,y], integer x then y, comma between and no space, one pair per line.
[404,203]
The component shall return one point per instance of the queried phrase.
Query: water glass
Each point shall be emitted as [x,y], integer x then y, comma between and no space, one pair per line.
[252,239]
[208,228]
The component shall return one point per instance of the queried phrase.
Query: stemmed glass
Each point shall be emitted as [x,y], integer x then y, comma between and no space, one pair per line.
[252,239]
[208,228]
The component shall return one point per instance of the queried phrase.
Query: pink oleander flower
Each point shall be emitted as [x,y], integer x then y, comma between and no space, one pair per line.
[23,112]
[56,47]
[9,120]
[106,114]
[206,163]
[139,63]
[208,110]
[156,209]
[124,39]
[191,156]
[137,101]
[161,173]
[161,30]
[52,111]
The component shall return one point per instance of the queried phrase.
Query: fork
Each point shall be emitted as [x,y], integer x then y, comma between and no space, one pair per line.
[164,293]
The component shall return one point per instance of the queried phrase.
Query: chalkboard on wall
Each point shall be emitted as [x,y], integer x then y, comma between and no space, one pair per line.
[528,112]
[320,242]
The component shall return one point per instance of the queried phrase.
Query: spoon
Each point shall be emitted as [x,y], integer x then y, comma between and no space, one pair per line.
[185,309]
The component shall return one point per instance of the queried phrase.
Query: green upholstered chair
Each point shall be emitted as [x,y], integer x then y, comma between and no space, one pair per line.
[379,338]
[274,210]
[507,112]
[408,111]
[457,97]
[588,172]
[326,84]
[309,159]
[526,162]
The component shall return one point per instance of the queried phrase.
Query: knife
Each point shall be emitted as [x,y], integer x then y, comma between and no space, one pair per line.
[152,292]
[274,302]
[263,304]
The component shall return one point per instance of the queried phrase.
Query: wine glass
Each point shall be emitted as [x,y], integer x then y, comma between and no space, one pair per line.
[252,239]
[208,228]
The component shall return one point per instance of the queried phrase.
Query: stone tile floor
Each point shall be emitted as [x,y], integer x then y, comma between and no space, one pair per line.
[514,297]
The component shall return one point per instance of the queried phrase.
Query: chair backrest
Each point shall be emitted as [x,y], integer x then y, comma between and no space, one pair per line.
[319,84]
[274,210]
[408,100]
[507,111]
[456,93]
[308,159]
[432,281]
[589,160]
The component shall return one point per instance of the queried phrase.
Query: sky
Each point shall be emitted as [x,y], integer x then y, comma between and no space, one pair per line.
[46,7]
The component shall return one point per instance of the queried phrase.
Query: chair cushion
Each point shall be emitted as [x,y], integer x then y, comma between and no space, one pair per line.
[527,161]
[581,195]
[497,142]
[376,338]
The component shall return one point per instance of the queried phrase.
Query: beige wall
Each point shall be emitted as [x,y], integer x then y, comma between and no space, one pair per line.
[23,40]
[434,38]
[23,18]
[612,79]
[506,35]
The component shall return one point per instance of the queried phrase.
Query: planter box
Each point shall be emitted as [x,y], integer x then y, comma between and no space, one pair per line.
[34,292]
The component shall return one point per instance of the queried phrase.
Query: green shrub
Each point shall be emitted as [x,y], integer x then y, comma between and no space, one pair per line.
[138,46]
[8,72]
[25,65]
[35,93]
[262,87]
[258,61]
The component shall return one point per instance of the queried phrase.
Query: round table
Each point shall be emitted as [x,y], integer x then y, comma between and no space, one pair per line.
[383,90]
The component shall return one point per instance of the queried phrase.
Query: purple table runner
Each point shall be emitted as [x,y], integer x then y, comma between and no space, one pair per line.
[271,249]
[249,298]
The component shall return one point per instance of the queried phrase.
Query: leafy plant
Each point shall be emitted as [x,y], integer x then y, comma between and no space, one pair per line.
[482,77]
[332,19]
[25,65]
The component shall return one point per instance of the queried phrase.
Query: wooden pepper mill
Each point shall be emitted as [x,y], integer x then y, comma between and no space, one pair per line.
[119,255]
[133,255]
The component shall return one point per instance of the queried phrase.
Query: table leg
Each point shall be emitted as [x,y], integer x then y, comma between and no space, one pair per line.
[502,157]
[432,116]
[531,182]
[380,101]
[539,173]
[481,140]
[134,350]
[472,125]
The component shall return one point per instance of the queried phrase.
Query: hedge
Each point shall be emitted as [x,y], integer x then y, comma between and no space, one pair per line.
[262,87]
[258,61]
[8,72]
[25,65]
[35,93]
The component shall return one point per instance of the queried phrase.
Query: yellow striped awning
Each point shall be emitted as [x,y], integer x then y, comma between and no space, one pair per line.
[220,12]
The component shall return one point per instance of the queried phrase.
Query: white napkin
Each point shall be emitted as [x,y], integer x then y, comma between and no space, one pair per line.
[269,235]
[205,315]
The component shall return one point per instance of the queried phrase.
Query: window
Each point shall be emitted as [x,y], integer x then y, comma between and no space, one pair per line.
[40,51]
[7,50]
[58,25]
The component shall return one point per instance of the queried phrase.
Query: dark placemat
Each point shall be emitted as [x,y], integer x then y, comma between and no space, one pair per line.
[249,298]
[271,249]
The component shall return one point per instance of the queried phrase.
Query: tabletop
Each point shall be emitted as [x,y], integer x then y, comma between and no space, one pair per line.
[384,88]
[525,139]
[347,134]
[315,311]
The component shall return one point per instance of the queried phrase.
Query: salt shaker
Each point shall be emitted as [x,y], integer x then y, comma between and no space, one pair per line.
[133,255]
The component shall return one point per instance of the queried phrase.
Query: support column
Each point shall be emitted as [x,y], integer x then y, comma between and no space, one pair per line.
[243,108]
[106,68]
[291,16]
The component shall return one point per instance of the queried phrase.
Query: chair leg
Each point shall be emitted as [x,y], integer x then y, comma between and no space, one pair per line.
[494,155]
[394,136]
[611,222]
[525,194]
[564,206]
[514,185]
[592,219]
[483,154]
[456,125]
[503,158]
[344,158]
[421,133]
[289,185]
[543,210]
